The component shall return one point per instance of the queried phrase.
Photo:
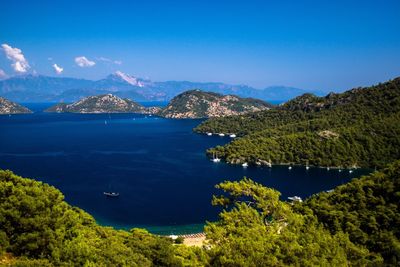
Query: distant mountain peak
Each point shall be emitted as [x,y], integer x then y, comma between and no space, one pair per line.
[132,80]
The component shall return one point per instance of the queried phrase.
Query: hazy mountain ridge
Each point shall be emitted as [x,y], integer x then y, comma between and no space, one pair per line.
[39,88]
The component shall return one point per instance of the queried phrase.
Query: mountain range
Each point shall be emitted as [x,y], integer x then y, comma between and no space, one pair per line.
[39,88]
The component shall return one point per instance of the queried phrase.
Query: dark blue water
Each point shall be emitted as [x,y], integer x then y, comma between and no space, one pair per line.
[157,165]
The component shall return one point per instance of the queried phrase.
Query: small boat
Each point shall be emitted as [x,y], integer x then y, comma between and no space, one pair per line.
[215,158]
[350,171]
[340,170]
[327,168]
[232,135]
[307,167]
[290,167]
[111,194]
[209,134]
[295,198]
[221,134]
[245,165]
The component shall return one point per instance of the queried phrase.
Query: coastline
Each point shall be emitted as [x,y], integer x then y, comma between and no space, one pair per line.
[165,230]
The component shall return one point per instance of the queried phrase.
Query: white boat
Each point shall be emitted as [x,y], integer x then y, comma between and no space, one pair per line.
[221,134]
[244,165]
[340,170]
[290,167]
[209,134]
[307,167]
[327,168]
[111,194]
[295,198]
[215,158]
[232,135]
[350,171]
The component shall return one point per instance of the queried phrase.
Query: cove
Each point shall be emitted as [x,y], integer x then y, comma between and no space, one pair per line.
[158,166]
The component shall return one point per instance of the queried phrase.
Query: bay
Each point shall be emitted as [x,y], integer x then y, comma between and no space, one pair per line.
[158,166]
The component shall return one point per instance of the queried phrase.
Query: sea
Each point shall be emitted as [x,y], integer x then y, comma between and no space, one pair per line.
[158,166]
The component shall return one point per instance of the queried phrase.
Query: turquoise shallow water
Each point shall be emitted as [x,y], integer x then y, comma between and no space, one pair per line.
[157,165]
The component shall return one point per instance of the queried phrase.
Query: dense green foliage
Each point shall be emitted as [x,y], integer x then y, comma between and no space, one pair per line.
[359,127]
[36,223]
[356,224]
[367,209]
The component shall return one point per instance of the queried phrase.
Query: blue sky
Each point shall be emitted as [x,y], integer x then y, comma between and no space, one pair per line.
[324,45]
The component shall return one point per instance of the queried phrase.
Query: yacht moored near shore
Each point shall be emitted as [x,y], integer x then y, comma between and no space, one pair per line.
[295,198]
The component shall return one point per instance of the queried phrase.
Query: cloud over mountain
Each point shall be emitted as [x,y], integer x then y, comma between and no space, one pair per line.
[83,62]
[20,64]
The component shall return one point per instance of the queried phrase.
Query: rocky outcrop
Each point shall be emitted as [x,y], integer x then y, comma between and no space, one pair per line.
[8,107]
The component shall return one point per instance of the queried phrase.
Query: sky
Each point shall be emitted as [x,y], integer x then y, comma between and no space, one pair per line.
[315,45]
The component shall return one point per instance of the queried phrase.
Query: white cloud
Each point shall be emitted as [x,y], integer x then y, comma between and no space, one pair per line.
[57,68]
[3,75]
[117,62]
[84,62]
[20,64]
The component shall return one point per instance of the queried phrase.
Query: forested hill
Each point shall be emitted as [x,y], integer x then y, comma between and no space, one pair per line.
[107,103]
[199,104]
[359,127]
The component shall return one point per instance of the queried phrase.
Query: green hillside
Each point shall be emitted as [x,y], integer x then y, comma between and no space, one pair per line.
[357,128]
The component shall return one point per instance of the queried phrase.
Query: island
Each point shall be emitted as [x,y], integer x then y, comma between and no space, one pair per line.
[192,104]
[195,104]
[9,107]
[106,103]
